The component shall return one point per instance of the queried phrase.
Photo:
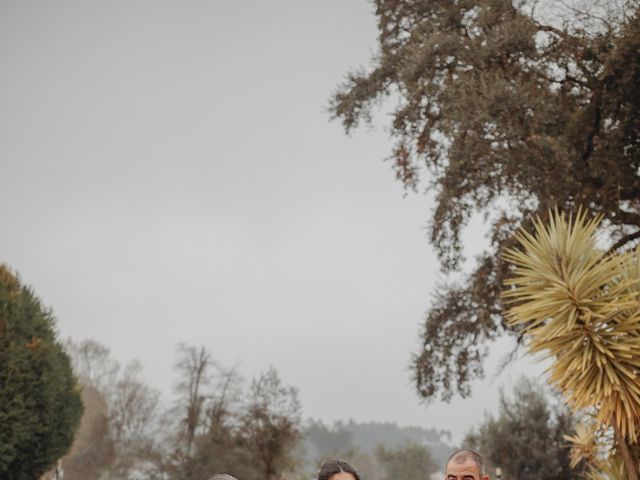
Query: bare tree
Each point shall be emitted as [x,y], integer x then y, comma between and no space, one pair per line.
[129,405]
[217,447]
[195,367]
[133,418]
[133,405]
[92,363]
[271,426]
[224,399]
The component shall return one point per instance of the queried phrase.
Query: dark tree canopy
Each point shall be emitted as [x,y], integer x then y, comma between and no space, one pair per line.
[40,405]
[499,111]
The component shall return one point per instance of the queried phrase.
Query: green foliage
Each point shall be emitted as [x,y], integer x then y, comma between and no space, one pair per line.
[498,110]
[409,462]
[40,405]
[526,439]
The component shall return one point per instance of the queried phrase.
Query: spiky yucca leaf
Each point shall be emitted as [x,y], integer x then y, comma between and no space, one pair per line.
[584,445]
[579,306]
[611,469]
[593,445]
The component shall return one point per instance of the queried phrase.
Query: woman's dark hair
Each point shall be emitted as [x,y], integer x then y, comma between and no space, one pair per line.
[332,467]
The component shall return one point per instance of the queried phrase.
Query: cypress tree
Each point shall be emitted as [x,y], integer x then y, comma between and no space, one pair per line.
[40,404]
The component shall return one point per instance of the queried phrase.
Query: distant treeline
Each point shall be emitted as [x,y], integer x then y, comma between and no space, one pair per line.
[322,440]
[101,420]
[218,421]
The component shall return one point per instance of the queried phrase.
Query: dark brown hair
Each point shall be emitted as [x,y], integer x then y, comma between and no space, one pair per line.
[332,467]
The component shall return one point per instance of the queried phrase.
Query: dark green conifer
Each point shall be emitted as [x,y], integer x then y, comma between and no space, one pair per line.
[40,405]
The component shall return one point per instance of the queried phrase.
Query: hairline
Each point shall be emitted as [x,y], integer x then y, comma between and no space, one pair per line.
[467,454]
[342,467]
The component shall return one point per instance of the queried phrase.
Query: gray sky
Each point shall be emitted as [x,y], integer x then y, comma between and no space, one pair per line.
[168,173]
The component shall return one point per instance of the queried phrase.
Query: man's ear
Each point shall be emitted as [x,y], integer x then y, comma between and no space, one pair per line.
[485,477]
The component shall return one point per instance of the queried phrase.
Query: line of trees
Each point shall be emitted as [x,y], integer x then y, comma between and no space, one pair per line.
[216,422]
[219,422]
[379,451]
[70,405]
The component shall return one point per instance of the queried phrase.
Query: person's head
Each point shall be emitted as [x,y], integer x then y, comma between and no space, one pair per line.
[223,476]
[465,465]
[337,470]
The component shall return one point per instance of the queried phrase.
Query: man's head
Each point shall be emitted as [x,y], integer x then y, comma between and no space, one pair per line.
[465,465]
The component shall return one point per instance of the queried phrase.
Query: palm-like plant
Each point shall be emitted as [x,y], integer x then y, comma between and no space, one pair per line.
[611,470]
[593,445]
[580,306]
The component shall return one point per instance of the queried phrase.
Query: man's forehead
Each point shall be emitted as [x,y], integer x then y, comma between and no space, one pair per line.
[467,467]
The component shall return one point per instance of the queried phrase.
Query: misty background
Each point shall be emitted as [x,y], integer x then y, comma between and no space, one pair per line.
[169,174]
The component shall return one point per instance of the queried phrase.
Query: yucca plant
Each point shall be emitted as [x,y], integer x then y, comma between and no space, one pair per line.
[580,307]
[586,444]
[610,469]
[593,444]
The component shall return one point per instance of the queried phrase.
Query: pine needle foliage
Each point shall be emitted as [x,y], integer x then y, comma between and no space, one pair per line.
[579,306]
[40,404]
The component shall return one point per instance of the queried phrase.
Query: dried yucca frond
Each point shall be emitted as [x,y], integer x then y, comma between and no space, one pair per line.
[580,307]
[593,446]
[611,469]
[584,445]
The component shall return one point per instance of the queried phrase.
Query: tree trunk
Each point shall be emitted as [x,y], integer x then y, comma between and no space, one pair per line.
[629,461]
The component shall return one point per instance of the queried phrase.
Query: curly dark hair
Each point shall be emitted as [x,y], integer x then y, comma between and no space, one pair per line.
[332,467]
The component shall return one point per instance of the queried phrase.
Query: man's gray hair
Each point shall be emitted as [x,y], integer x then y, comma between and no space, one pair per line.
[223,476]
[463,456]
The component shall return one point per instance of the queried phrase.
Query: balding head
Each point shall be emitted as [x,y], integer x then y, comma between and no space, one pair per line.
[223,476]
[461,460]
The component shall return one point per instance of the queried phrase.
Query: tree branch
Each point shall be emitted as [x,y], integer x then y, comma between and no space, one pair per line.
[624,240]
[567,78]
[628,218]
[549,29]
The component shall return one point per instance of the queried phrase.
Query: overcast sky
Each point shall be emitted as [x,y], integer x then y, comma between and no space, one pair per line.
[169,173]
